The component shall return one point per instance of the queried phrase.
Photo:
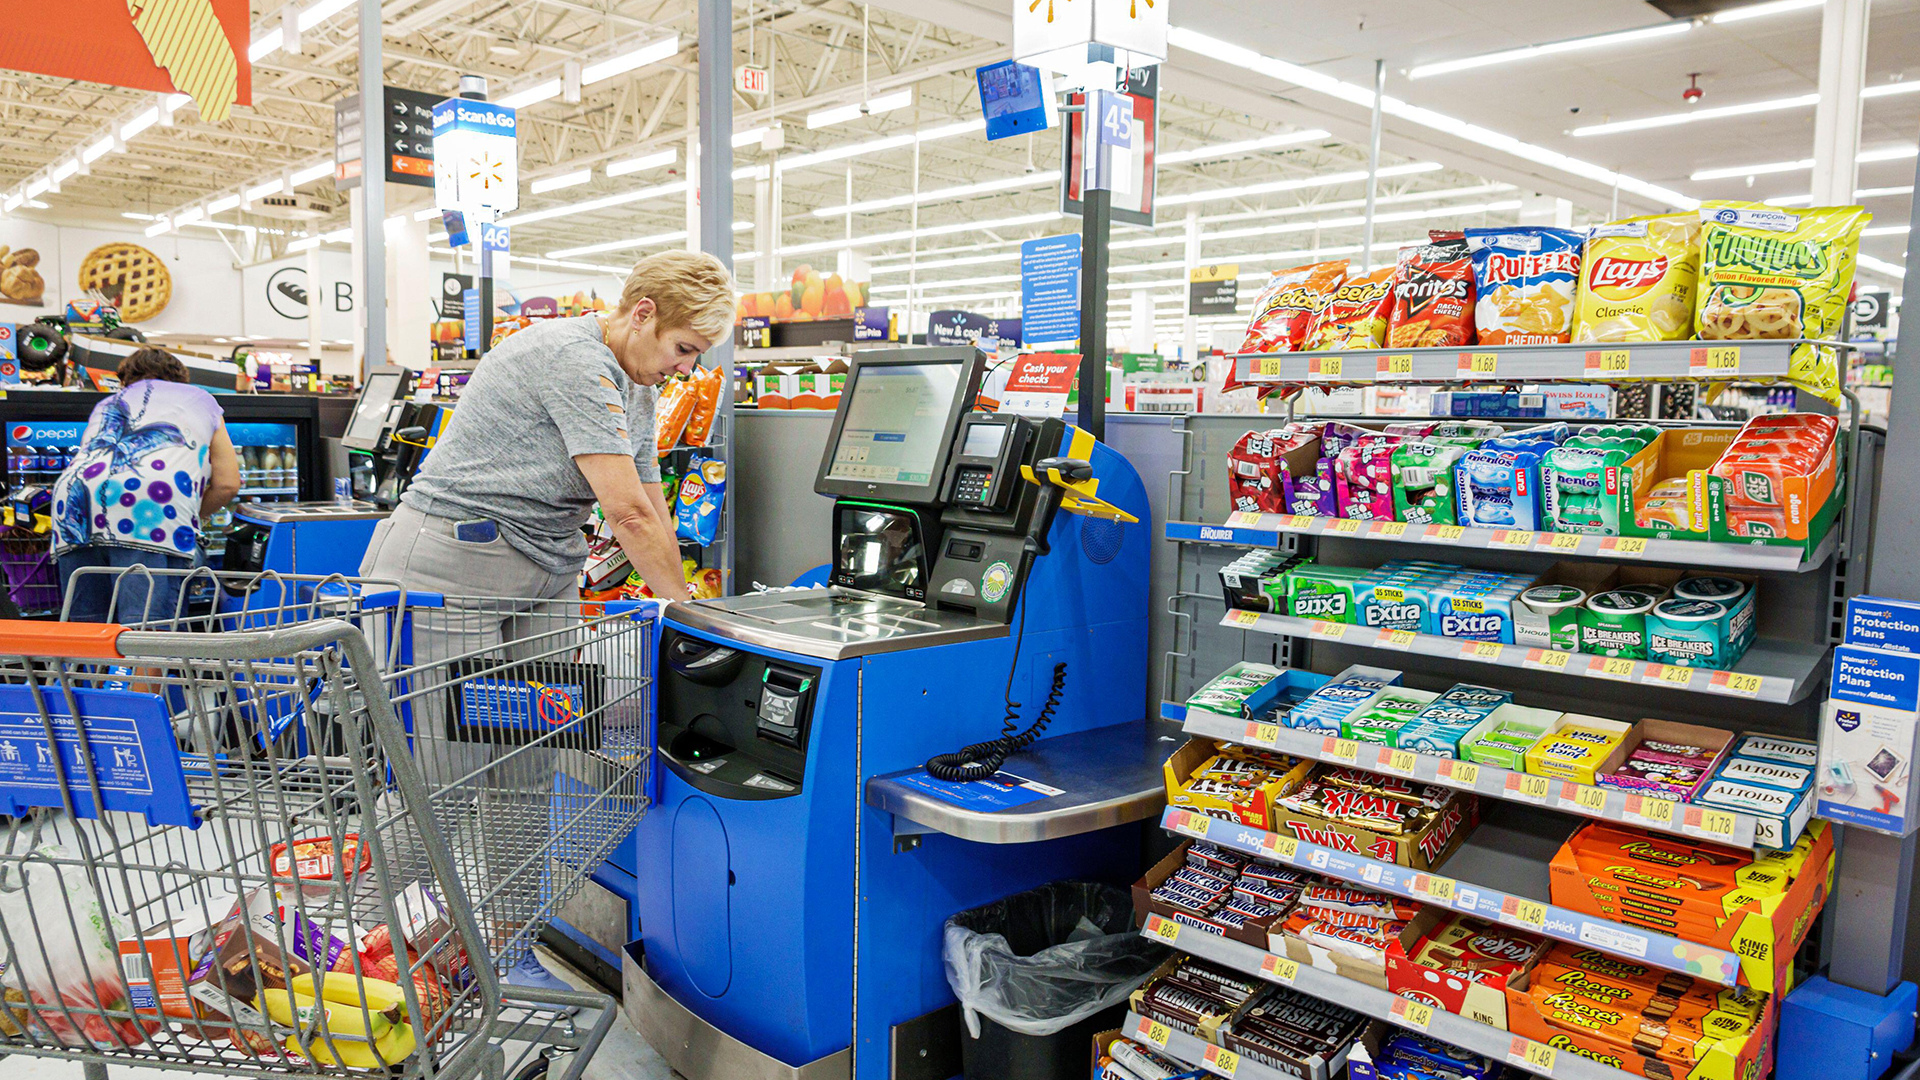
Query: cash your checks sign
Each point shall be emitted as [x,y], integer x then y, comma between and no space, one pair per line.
[1039,384]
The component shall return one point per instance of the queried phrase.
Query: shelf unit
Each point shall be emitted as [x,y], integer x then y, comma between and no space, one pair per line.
[1537,1058]
[1705,361]
[1488,781]
[1191,1050]
[1437,890]
[1773,670]
[1243,529]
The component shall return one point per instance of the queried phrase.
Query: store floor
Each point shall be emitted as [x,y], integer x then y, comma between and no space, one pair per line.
[623,1056]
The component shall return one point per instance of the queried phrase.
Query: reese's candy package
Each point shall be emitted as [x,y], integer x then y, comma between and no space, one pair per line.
[1637,279]
[1432,295]
[1524,277]
[1766,272]
[1355,316]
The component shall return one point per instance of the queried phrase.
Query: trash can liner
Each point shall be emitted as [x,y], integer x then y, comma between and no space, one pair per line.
[1041,961]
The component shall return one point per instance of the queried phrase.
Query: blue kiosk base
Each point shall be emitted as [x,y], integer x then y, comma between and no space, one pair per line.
[1838,1033]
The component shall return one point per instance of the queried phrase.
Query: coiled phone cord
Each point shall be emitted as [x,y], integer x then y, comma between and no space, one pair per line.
[983,759]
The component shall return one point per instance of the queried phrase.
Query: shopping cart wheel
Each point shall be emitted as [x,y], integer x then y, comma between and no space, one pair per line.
[537,1068]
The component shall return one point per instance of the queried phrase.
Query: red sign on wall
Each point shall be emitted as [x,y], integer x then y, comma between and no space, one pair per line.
[195,47]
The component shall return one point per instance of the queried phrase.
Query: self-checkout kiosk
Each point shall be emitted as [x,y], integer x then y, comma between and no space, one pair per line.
[789,925]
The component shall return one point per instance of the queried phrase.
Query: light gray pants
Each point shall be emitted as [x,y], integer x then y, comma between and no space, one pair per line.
[492,801]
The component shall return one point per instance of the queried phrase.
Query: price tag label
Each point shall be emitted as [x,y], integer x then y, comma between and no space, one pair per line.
[1711,822]
[1624,547]
[1267,365]
[1284,847]
[1242,517]
[1279,969]
[1446,532]
[1649,809]
[1332,631]
[1610,667]
[1734,682]
[1221,1060]
[1608,362]
[1668,675]
[1561,542]
[1531,788]
[1163,928]
[1515,539]
[1340,749]
[1243,618]
[1532,1056]
[1394,366]
[1397,761]
[1487,651]
[1262,734]
[1411,1014]
[1546,659]
[1395,639]
[1325,367]
[1391,530]
[1434,887]
[1153,1031]
[1344,526]
[1196,824]
[1718,361]
[1464,773]
[1479,364]
[1528,913]
[1298,522]
[1591,799]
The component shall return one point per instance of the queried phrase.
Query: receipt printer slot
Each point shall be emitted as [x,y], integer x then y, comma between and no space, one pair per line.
[786,699]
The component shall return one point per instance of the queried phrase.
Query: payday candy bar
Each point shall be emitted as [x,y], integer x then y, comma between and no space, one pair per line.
[1359,942]
[1429,795]
[1355,901]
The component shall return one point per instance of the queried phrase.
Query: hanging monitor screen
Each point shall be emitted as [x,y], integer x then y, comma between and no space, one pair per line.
[894,431]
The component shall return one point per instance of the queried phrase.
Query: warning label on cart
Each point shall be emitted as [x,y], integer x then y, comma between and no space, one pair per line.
[517,703]
[1001,791]
[123,743]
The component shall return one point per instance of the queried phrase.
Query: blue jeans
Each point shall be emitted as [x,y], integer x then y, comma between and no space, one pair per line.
[93,592]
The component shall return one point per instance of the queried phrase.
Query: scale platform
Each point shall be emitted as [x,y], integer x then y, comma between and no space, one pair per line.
[1106,776]
[831,622]
[274,512]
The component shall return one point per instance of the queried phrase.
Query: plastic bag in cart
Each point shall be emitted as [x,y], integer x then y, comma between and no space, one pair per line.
[66,957]
[1040,961]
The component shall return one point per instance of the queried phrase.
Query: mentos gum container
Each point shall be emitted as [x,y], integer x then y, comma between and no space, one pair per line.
[1688,633]
[1548,616]
[1499,488]
[1615,624]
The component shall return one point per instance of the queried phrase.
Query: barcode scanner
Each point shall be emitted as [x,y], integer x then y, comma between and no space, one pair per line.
[1052,475]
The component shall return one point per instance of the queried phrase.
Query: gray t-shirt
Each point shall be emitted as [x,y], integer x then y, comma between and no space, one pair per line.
[548,394]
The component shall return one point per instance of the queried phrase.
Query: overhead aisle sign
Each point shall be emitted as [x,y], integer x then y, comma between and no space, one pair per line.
[1213,290]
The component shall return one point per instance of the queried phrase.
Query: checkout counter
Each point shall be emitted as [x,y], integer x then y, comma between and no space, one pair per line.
[989,574]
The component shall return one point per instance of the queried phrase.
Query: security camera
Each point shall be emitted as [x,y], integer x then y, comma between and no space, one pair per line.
[1031,169]
[1573,108]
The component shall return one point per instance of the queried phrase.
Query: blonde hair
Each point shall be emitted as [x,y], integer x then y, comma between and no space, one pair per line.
[688,288]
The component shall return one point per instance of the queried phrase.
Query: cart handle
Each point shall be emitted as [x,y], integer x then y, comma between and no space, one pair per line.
[79,640]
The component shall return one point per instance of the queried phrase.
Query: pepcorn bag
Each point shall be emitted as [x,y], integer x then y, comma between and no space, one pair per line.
[1637,280]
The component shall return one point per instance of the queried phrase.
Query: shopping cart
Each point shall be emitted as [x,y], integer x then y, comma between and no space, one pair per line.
[311,847]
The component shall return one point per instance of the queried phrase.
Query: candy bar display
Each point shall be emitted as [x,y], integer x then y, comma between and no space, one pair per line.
[1381,817]
[1461,963]
[1232,782]
[1408,1055]
[1128,1060]
[1293,1032]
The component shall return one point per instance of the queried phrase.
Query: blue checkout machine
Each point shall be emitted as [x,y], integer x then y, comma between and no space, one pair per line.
[789,925]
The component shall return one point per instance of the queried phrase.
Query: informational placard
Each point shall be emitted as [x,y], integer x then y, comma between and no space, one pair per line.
[1872,310]
[1132,197]
[1213,290]
[1039,384]
[1870,724]
[123,741]
[406,123]
[476,156]
[951,327]
[470,314]
[496,238]
[453,296]
[1050,289]
[872,324]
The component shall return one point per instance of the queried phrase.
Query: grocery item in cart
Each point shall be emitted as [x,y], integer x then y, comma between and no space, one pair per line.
[1637,278]
[1355,316]
[65,958]
[1767,273]
[1524,277]
[1432,295]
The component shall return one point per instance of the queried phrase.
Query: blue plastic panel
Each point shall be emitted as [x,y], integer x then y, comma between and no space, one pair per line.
[131,741]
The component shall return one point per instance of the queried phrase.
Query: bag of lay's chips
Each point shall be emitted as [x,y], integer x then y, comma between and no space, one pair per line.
[1524,276]
[1355,317]
[1637,279]
[1779,274]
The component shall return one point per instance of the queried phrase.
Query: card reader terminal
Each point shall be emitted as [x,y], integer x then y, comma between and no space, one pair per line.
[986,470]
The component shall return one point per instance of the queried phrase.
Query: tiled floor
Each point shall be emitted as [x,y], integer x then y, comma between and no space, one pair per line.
[623,1056]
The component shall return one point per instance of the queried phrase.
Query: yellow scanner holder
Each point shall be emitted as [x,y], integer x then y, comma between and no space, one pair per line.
[1079,496]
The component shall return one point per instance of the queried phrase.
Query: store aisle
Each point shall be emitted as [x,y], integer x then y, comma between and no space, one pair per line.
[624,1055]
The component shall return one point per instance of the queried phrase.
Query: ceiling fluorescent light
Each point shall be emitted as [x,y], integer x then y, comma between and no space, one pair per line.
[132,216]
[643,162]
[533,95]
[320,12]
[427,214]
[1355,94]
[189,215]
[1294,184]
[1803,101]
[1891,153]
[1882,192]
[159,228]
[64,170]
[601,203]
[223,204]
[311,173]
[924,231]
[1757,11]
[266,44]
[748,137]
[565,180]
[1528,52]
[820,118]
[1244,146]
[304,244]
[651,53]
[1885,230]
[38,186]
[143,120]
[12,203]
[255,194]
[1891,89]
[38,205]
[616,245]
[874,146]
[937,195]
[98,150]
[1881,265]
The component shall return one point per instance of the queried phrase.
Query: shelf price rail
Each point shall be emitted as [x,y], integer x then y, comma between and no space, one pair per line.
[1191,1050]
[1573,362]
[1537,1058]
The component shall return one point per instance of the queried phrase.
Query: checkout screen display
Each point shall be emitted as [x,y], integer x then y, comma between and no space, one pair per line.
[893,429]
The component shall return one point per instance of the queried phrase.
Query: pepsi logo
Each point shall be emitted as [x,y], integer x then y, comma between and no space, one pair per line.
[21,431]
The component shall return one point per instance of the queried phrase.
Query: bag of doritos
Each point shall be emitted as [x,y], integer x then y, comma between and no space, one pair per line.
[1284,309]
[1355,316]
[1524,277]
[1637,278]
[1432,295]
[1772,273]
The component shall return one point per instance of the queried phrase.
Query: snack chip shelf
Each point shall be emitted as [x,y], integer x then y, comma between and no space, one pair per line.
[1536,1058]
[1773,670]
[1435,889]
[1266,530]
[1726,827]
[1573,362]
[1190,1050]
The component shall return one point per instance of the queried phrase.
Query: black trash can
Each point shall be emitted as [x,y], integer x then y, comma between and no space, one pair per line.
[1039,973]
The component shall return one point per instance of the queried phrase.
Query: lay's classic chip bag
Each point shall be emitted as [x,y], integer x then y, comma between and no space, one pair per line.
[1524,276]
[1769,273]
[1637,279]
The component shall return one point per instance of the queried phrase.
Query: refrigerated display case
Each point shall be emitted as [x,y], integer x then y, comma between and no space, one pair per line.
[277,437]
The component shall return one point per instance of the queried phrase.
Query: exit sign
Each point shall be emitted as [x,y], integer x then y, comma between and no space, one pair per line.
[751,80]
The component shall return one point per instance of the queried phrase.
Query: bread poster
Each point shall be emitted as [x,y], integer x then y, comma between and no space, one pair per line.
[29,268]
